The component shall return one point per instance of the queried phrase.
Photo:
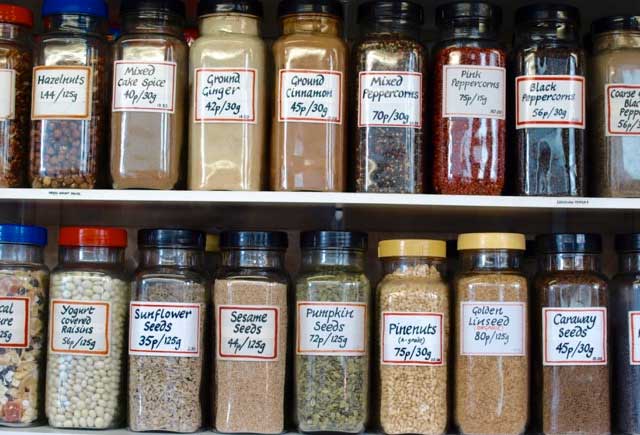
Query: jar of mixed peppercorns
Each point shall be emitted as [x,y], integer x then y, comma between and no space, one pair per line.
[469,101]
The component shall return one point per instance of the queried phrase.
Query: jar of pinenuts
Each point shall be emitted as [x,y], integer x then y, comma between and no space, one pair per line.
[69,90]
[89,301]
[15,92]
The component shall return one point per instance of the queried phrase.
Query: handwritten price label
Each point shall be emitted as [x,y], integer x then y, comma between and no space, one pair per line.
[144,86]
[412,338]
[7,94]
[474,91]
[14,322]
[310,96]
[622,109]
[248,333]
[550,101]
[492,328]
[391,99]
[574,336]
[225,95]
[61,93]
[79,327]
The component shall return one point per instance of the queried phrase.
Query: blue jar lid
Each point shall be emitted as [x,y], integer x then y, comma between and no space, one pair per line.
[96,8]
[23,234]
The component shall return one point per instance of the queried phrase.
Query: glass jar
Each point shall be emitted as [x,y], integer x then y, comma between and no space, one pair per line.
[24,284]
[550,111]
[389,77]
[332,333]
[15,99]
[413,306]
[87,320]
[308,145]
[469,129]
[572,303]
[149,95]
[228,76]
[615,77]
[492,349]
[166,332]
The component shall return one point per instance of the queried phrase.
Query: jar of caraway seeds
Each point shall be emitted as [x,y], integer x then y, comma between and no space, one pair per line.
[469,129]
[572,302]
[332,333]
[389,77]
[167,315]
[87,320]
[15,95]
[549,65]
[413,316]
[250,302]
[24,283]
[492,346]
[69,89]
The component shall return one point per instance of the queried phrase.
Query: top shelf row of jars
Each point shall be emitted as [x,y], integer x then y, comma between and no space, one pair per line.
[78,93]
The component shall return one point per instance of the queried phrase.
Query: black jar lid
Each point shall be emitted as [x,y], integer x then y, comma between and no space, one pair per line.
[171,238]
[616,22]
[324,7]
[175,7]
[245,7]
[388,9]
[333,240]
[469,10]
[568,243]
[628,242]
[547,12]
[254,240]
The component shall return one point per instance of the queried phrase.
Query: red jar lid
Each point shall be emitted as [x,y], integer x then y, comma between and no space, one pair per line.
[16,15]
[93,236]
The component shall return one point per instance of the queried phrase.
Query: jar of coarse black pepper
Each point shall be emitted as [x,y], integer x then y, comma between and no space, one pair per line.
[549,65]
[15,87]
[389,82]
[69,90]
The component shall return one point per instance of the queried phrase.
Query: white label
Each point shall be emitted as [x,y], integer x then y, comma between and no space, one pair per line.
[225,95]
[331,328]
[159,329]
[248,333]
[574,336]
[14,322]
[61,92]
[622,109]
[7,94]
[310,96]
[474,91]
[390,99]
[144,86]
[550,102]
[79,327]
[412,338]
[634,338]
[492,328]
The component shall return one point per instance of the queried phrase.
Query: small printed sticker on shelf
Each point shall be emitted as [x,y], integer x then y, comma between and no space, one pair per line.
[80,327]
[412,338]
[493,328]
[225,95]
[574,336]
[471,91]
[164,329]
[61,92]
[7,94]
[622,110]
[310,96]
[248,332]
[550,101]
[14,322]
[144,86]
[634,338]
[390,99]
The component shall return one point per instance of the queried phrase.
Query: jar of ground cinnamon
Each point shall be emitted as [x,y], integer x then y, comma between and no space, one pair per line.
[308,151]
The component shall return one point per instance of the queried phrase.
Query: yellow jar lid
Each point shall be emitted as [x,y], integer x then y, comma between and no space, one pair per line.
[471,241]
[412,248]
[213,243]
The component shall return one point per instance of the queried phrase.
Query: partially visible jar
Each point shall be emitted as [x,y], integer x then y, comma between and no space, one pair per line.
[166,332]
[24,285]
[333,312]
[389,79]
[615,77]
[68,110]
[87,330]
[228,77]
[572,305]
[149,92]
[308,134]
[212,258]
[469,86]
[15,93]
[250,302]
[413,316]
[549,65]
[492,358]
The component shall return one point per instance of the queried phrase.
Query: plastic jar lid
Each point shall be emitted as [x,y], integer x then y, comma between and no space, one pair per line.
[213,243]
[388,9]
[475,241]
[547,12]
[412,248]
[323,7]
[93,236]
[175,7]
[628,242]
[245,7]
[616,23]
[254,240]
[96,8]
[333,240]
[171,238]
[23,235]
[16,15]
[468,10]
[567,243]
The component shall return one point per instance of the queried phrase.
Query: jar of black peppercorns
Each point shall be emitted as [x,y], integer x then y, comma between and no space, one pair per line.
[69,90]
[389,81]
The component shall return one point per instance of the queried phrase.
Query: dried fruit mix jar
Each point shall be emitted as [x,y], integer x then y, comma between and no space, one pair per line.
[24,285]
